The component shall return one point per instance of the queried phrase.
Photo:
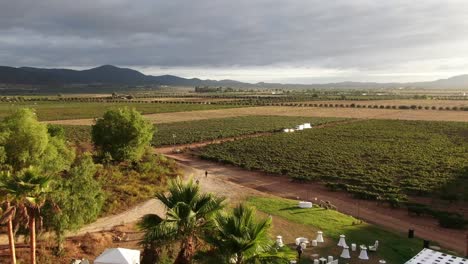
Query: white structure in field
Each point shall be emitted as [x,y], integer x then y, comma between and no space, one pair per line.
[279,241]
[118,256]
[345,253]
[319,237]
[363,254]
[307,126]
[303,204]
[342,241]
[429,256]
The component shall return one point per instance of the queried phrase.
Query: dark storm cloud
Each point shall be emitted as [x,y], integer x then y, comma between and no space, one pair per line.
[367,35]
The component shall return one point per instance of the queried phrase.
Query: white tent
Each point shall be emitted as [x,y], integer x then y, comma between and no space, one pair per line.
[118,256]
[429,256]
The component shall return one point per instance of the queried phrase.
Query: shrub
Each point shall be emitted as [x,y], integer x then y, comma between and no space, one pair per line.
[452,220]
[123,133]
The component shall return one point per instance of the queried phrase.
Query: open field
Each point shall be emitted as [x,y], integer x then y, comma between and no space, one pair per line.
[428,115]
[394,248]
[397,102]
[376,159]
[73,110]
[203,130]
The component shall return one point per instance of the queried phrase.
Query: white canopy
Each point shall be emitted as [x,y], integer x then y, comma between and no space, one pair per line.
[118,256]
[429,256]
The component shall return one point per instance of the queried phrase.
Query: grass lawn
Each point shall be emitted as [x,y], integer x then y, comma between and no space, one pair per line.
[394,248]
[76,110]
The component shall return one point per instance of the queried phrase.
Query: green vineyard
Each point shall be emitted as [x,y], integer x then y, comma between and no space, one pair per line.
[203,130]
[375,159]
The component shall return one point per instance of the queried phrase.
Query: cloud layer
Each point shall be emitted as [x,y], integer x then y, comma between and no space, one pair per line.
[336,39]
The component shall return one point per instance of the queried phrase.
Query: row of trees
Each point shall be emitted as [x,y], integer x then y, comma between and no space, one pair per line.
[195,220]
[42,180]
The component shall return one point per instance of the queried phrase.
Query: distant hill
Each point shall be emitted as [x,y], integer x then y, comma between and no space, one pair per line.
[112,75]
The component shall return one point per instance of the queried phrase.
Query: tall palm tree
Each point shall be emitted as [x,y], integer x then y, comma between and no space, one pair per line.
[189,213]
[238,236]
[6,216]
[28,189]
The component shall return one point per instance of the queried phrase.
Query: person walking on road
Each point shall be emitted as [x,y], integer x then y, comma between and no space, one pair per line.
[206,174]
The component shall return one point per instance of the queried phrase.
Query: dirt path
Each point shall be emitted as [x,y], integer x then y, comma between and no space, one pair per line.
[428,115]
[232,191]
[397,220]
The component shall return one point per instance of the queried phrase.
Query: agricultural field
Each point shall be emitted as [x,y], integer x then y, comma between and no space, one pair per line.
[76,110]
[397,102]
[373,159]
[393,247]
[209,129]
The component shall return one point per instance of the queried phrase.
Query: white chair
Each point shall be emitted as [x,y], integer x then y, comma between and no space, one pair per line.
[300,240]
[319,237]
[303,245]
[363,254]
[342,241]
[329,259]
[314,243]
[374,247]
[333,262]
[345,253]
[353,247]
[279,241]
[316,261]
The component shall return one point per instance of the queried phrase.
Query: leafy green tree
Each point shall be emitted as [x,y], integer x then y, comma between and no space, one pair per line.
[28,189]
[77,196]
[240,237]
[25,142]
[189,214]
[123,133]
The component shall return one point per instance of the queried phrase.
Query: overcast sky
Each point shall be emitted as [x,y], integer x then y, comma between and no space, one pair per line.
[304,41]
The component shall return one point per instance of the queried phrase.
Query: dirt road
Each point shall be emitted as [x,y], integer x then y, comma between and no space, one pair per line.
[428,115]
[397,220]
[232,191]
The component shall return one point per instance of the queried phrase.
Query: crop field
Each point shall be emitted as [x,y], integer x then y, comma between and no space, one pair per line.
[203,130]
[374,159]
[393,247]
[397,102]
[76,110]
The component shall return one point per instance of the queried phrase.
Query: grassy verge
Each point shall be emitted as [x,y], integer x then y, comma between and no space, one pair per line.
[394,248]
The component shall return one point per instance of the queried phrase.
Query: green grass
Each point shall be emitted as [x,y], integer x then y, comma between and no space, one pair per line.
[203,130]
[393,247]
[373,159]
[75,110]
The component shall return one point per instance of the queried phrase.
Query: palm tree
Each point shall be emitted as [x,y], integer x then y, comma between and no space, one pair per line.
[6,216]
[240,237]
[189,213]
[28,189]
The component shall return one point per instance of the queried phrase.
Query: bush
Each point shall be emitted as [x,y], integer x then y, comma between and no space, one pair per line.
[452,220]
[123,133]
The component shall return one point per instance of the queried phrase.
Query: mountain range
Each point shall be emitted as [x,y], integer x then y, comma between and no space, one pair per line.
[112,75]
